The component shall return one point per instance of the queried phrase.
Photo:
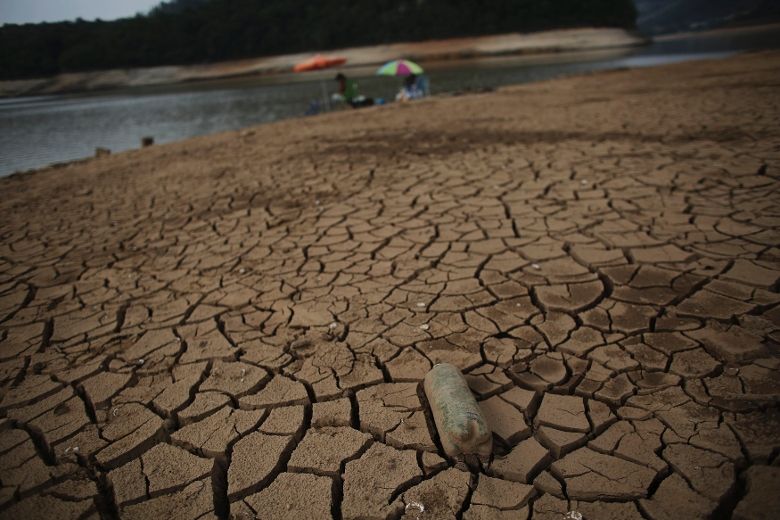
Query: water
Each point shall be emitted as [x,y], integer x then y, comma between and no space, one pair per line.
[37,131]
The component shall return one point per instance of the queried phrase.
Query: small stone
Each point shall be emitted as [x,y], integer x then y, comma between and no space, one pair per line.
[441,496]
[425,326]
[536,266]
[573,515]
[414,507]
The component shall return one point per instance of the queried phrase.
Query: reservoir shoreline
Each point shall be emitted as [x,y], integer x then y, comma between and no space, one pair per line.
[540,43]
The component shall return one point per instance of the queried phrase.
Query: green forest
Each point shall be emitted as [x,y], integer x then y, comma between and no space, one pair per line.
[203,31]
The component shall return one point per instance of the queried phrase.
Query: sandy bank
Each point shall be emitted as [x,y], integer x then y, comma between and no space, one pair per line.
[569,40]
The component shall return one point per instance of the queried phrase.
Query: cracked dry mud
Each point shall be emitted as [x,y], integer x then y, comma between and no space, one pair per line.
[238,325]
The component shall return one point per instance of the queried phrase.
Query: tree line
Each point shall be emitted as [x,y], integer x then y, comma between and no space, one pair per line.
[204,31]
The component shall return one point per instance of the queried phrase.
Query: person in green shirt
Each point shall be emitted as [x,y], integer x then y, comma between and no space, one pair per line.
[348,89]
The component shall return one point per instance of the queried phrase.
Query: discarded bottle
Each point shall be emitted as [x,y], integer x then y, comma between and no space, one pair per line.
[459,420]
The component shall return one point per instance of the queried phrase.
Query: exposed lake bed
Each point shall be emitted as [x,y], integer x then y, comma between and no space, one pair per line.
[237,325]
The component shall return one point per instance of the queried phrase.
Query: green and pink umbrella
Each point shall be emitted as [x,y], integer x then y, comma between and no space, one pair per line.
[399,68]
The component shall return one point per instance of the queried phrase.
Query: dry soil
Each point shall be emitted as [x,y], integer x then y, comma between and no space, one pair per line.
[238,325]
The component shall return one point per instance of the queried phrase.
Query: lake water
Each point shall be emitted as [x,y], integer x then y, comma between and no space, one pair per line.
[37,131]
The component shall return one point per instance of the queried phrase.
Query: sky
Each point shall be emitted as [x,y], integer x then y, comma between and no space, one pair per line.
[34,11]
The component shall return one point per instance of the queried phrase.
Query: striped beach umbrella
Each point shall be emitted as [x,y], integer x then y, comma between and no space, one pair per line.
[399,68]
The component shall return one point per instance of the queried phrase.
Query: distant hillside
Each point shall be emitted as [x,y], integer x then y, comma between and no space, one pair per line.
[665,16]
[203,31]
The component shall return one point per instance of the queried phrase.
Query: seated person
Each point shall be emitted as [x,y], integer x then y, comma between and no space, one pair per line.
[411,89]
[348,91]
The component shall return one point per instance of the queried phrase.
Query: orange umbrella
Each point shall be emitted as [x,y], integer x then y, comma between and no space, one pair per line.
[319,62]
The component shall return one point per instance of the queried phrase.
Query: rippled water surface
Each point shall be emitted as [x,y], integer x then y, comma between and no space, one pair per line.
[36,131]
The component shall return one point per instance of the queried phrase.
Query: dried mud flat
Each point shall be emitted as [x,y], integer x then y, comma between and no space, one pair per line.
[237,326]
